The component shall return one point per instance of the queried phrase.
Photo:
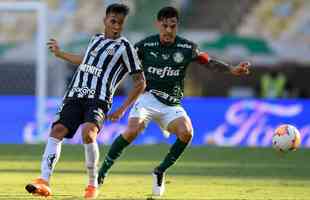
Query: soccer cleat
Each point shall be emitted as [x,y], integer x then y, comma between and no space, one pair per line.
[39,187]
[91,192]
[100,178]
[158,183]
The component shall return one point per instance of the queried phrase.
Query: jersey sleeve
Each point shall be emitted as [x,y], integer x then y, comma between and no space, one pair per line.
[131,59]
[85,51]
[93,38]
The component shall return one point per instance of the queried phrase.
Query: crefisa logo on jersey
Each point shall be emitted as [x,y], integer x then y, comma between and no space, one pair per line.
[162,72]
[178,57]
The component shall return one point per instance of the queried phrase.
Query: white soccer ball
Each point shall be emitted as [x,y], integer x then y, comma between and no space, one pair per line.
[286,138]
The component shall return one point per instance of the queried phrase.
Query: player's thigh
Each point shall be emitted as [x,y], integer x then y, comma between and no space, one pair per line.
[94,116]
[143,111]
[180,124]
[70,116]
[169,116]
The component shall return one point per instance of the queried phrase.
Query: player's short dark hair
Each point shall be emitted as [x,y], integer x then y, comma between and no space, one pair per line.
[117,8]
[167,12]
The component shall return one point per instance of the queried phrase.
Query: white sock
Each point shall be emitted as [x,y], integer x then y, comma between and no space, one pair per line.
[50,157]
[92,159]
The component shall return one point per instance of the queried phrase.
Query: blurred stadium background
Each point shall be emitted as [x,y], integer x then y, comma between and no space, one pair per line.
[226,111]
[274,35]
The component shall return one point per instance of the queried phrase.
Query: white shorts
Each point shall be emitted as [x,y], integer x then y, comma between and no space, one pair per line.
[148,108]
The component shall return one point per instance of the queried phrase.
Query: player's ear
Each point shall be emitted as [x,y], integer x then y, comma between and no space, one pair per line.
[104,20]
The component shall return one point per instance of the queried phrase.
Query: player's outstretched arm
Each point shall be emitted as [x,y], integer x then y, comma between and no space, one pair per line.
[138,88]
[220,66]
[53,46]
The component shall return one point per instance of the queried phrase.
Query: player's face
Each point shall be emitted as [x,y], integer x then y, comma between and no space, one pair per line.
[114,24]
[167,30]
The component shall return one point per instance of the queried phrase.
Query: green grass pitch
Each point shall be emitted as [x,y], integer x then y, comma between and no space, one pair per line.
[202,173]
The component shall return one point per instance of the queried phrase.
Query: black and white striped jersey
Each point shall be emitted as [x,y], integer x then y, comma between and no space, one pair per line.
[105,64]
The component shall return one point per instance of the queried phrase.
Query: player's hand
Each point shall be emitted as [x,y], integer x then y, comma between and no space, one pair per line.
[115,116]
[53,46]
[241,69]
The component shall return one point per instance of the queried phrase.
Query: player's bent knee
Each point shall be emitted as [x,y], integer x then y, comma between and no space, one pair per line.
[59,131]
[135,126]
[87,139]
[89,133]
[185,135]
[131,133]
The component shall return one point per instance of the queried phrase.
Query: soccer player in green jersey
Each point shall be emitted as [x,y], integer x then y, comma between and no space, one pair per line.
[165,58]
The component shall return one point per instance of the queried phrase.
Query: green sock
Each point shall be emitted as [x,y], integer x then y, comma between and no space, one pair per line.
[174,153]
[115,151]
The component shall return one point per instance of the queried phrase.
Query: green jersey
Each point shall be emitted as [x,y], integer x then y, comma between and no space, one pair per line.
[165,67]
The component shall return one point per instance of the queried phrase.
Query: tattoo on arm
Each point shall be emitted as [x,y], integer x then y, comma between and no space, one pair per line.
[218,66]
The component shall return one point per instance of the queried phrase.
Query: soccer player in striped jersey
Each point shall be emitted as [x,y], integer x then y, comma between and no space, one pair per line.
[108,59]
[165,58]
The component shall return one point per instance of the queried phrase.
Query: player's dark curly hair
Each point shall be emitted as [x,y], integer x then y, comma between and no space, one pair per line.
[117,8]
[167,12]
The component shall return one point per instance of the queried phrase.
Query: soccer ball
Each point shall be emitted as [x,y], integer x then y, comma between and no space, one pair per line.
[286,138]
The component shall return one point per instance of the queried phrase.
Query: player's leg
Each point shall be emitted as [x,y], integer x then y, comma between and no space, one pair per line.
[175,120]
[89,135]
[52,150]
[40,186]
[134,127]
[139,117]
[94,118]
[182,127]
[68,119]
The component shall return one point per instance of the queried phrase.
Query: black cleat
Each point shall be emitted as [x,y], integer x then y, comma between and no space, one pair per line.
[100,179]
